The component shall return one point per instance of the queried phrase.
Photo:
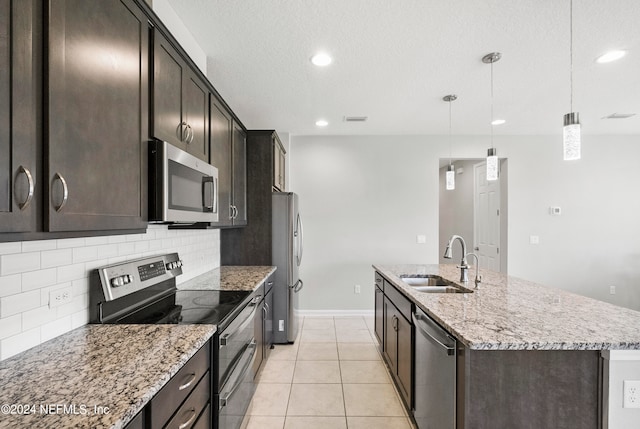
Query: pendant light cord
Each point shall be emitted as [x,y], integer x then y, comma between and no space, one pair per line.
[450,133]
[571,53]
[492,104]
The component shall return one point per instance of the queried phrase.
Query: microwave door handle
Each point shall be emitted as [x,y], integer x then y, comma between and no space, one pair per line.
[208,203]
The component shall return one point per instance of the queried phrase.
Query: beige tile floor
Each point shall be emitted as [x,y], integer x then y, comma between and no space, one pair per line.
[331,377]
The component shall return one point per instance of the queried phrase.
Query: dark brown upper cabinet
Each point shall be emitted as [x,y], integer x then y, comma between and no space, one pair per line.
[180,101]
[229,155]
[20,187]
[98,109]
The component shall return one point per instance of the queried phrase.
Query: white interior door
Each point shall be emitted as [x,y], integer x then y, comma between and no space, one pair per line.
[486,209]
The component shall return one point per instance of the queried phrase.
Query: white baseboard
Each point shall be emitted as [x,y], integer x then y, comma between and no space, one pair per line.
[336,313]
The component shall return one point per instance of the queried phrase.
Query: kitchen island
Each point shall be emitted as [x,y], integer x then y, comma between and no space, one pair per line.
[527,355]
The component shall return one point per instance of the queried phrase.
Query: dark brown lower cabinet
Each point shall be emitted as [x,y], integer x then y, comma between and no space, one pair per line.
[398,349]
[379,316]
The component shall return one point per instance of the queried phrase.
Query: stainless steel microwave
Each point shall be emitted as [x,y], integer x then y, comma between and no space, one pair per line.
[182,188]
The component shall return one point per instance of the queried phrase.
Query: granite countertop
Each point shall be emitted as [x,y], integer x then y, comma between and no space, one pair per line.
[508,313]
[230,278]
[117,366]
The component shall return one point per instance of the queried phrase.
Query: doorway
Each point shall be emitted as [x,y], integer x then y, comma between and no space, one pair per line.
[477,210]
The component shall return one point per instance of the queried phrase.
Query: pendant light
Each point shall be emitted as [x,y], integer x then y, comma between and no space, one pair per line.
[492,153]
[451,173]
[571,130]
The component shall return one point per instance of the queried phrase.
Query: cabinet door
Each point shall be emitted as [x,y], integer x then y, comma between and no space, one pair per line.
[239,175]
[196,106]
[390,335]
[168,74]
[221,158]
[268,322]
[259,336]
[96,161]
[19,187]
[379,316]
[404,356]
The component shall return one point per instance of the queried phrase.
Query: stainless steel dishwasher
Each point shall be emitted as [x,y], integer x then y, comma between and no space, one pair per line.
[435,375]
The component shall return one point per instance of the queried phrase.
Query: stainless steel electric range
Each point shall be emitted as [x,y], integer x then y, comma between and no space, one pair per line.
[144,291]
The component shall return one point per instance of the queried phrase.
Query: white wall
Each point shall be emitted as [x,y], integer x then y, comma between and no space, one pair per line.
[170,19]
[364,199]
[30,270]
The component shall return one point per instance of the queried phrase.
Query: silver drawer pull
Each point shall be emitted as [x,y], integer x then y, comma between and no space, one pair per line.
[188,383]
[27,173]
[65,190]
[188,422]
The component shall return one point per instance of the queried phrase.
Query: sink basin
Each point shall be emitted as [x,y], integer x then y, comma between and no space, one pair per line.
[429,283]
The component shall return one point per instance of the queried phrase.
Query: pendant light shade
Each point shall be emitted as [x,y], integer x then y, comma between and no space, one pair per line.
[571,130]
[493,165]
[450,175]
[571,136]
[451,178]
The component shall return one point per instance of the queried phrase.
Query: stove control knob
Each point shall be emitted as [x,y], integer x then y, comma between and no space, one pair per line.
[117,282]
[179,263]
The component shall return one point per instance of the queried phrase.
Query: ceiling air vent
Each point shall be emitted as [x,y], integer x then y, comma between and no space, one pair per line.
[355,118]
[619,116]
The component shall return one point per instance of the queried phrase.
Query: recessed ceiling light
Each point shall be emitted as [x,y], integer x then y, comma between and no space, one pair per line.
[498,122]
[321,60]
[610,56]
[321,123]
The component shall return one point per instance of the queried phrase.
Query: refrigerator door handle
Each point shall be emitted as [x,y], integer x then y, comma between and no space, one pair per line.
[300,228]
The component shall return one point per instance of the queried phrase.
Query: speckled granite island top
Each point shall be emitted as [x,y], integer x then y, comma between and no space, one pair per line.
[230,278]
[508,313]
[116,366]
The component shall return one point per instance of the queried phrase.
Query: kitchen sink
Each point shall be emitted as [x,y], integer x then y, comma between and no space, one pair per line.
[429,283]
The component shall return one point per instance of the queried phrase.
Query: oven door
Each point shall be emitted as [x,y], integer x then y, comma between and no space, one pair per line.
[235,395]
[183,187]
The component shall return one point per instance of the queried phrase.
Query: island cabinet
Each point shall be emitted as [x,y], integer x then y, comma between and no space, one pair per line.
[20,187]
[379,311]
[263,324]
[527,389]
[397,331]
[180,101]
[184,401]
[229,155]
[98,115]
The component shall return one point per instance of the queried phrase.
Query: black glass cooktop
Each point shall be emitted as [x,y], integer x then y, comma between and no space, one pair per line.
[189,307]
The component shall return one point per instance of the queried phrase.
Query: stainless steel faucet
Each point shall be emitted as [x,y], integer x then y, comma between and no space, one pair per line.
[478,277]
[464,266]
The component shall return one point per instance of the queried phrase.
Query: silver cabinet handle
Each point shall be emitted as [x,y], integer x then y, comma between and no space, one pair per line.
[24,170]
[235,212]
[230,211]
[181,130]
[188,422]
[65,190]
[188,383]
[189,138]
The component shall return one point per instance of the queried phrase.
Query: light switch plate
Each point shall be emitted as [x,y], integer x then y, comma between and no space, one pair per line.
[421,239]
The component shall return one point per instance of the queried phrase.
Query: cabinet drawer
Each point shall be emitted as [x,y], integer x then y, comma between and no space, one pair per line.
[178,388]
[379,282]
[204,421]
[401,303]
[186,416]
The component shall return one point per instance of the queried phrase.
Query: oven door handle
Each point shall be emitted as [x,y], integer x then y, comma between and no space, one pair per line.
[249,319]
[249,357]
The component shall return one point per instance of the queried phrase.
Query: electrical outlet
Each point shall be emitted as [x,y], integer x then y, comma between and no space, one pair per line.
[281,325]
[534,239]
[356,289]
[421,239]
[631,394]
[612,290]
[59,297]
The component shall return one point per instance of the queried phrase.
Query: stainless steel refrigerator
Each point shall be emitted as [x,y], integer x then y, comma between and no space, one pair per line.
[287,256]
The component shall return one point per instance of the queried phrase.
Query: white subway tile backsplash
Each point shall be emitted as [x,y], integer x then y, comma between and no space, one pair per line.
[56,258]
[38,317]
[18,343]
[19,263]
[18,303]
[11,325]
[7,248]
[10,285]
[38,279]
[30,270]
[38,245]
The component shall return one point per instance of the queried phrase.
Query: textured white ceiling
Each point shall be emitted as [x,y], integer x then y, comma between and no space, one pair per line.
[394,60]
